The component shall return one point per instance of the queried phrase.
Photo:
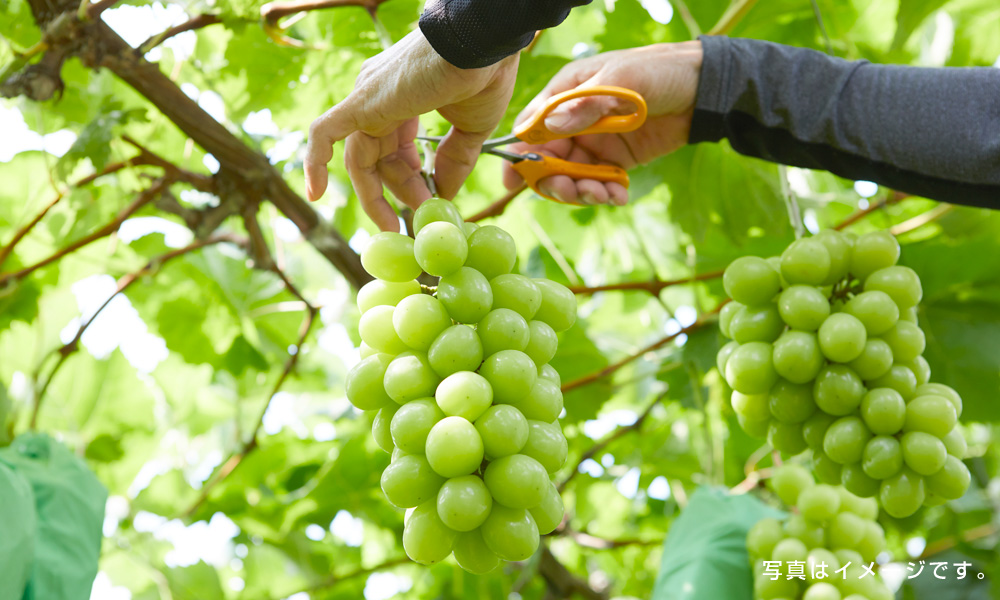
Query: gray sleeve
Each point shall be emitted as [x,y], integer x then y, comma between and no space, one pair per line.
[925,131]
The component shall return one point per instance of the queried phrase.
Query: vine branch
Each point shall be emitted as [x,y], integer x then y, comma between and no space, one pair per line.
[497,207]
[333,580]
[272,12]
[733,15]
[598,543]
[195,22]
[653,287]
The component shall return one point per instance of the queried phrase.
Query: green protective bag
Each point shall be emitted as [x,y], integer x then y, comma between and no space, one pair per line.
[68,516]
[17,532]
[705,555]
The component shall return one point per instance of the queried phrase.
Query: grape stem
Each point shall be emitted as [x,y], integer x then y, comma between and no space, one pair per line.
[791,203]
[497,207]
[653,287]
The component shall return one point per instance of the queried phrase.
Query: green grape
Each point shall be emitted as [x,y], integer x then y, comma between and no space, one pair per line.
[376,330]
[845,440]
[517,293]
[364,350]
[788,482]
[842,337]
[503,329]
[464,394]
[939,389]
[409,481]
[901,283]
[433,210]
[955,443]
[902,494]
[397,454]
[821,591]
[781,588]
[408,377]
[364,383]
[491,251]
[388,293]
[754,428]
[819,502]
[455,349]
[866,508]
[755,407]
[874,361]
[803,307]
[883,457]
[419,319]
[923,452]
[846,555]
[723,355]
[763,537]
[791,402]
[440,248]
[469,227]
[827,471]
[411,424]
[426,539]
[814,429]
[921,369]
[750,369]
[550,511]
[504,431]
[512,375]
[542,342]
[822,563]
[786,437]
[548,372]
[932,414]
[898,378]
[797,356]
[558,308]
[380,427]
[546,444]
[751,280]
[729,310]
[472,553]
[875,310]
[809,533]
[840,254]
[845,530]
[516,481]
[463,503]
[805,261]
[756,324]
[838,390]
[543,403]
[775,262]
[872,541]
[510,532]
[389,256]
[466,295]
[790,549]
[906,340]
[854,478]
[873,251]
[951,481]
[884,411]
[454,447]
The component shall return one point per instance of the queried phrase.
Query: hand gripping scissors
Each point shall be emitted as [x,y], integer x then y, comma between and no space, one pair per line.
[534,167]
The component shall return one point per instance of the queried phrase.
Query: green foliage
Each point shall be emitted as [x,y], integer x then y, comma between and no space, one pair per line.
[169,395]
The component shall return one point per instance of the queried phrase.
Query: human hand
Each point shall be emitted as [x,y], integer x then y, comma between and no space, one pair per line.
[379,121]
[667,77]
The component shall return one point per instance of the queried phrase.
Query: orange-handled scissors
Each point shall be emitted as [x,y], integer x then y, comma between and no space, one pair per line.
[534,167]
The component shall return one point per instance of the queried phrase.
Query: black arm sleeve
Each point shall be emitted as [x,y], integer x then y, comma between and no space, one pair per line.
[477,33]
[929,132]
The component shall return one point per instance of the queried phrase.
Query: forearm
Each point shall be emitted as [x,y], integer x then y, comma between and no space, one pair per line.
[477,33]
[929,132]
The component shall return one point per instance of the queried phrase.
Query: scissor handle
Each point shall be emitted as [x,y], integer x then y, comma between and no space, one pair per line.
[532,170]
[534,130]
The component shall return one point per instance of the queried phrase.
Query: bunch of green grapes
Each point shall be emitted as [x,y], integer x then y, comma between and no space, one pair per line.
[463,396]
[827,355]
[821,551]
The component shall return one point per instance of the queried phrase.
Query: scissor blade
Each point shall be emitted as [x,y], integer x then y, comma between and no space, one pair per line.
[513,157]
[430,138]
[500,141]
